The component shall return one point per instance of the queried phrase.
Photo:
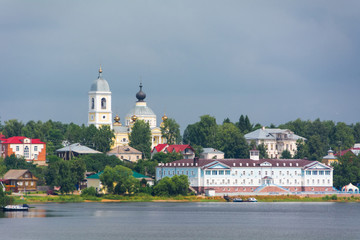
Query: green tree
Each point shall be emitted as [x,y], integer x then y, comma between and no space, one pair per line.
[103,139]
[231,141]
[140,138]
[177,185]
[347,171]
[302,150]
[61,174]
[118,180]
[5,200]
[286,154]
[201,133]
[263,151]
[73,133]
[170,130]
[12,128]
[98,162]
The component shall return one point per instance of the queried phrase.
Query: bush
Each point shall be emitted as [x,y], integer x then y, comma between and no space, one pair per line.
[90,191]
[334,197]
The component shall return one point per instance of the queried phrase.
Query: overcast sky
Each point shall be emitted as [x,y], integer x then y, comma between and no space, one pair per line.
[274,61]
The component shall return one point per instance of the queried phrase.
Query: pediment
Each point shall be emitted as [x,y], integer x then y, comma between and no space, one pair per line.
[317,165]
[217,165]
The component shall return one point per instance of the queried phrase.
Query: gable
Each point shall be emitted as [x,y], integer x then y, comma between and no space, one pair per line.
[219,166]
[317,165]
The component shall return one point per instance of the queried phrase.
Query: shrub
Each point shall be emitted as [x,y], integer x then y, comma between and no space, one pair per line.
[90,191]
[334,197]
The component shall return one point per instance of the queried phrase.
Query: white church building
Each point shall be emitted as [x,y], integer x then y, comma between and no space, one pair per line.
[100,113]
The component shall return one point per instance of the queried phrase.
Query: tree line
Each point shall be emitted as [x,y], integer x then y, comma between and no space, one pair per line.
[55,134]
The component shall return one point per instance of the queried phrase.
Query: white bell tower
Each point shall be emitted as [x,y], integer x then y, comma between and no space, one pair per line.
[100,103]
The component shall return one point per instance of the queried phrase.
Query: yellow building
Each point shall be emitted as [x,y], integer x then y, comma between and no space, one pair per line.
[139,112]
[100,114]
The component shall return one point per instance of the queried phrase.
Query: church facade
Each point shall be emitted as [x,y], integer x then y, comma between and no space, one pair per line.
[100,113]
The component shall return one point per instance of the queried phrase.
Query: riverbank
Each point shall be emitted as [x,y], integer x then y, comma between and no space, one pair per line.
[37,198]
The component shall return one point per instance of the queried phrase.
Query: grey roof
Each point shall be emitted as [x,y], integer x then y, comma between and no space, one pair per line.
[141,111]
[100,85]
[77,148]
[270,134]
[120,129]
[211,150]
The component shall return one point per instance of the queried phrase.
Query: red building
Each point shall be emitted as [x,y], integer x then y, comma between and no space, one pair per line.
[33,150]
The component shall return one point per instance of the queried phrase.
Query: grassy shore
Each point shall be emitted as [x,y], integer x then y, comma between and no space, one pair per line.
[148,198]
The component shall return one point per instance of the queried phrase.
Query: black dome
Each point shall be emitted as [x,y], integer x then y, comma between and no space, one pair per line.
[140,95]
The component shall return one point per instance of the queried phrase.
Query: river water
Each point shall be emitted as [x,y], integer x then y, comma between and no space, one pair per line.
[150,221]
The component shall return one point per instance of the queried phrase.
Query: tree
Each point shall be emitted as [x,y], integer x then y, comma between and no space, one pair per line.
[103,139]
[78,169]
[170,130]
[231,141]
[5,200]
[12,128]
[347,171]
[140,138]
[302,150]
[60,174]
[98,162]
[119,180]
[286,154]
[177,185]
[263,151]
[73,133]
[202,133]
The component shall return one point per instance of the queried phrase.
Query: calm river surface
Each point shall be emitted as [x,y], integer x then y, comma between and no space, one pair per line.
[183,221]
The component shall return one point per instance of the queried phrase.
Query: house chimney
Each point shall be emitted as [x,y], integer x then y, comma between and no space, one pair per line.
[254,154]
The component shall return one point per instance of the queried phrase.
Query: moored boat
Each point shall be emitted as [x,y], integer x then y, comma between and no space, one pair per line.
[252,199]
[23,207]
[237,200]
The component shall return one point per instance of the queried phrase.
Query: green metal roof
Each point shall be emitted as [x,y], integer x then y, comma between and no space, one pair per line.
[135,175]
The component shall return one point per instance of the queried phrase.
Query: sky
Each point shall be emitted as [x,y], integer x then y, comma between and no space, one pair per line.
[274,61]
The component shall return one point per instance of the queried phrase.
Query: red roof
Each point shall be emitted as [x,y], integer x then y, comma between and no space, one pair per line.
[179,148]
[343,152]
[206,163]
[159,147]
[20,140]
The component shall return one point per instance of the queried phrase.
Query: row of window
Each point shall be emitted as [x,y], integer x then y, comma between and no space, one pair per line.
[251,181]
[103,103]
[321,172]
[178,173]
[26,149]
[217,172]
[25,183]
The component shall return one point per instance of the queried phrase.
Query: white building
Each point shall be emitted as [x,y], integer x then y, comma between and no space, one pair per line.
[100,103]
[244,176]
[275,140]
[212,153]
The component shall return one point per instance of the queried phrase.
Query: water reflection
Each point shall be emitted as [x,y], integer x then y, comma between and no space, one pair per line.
[32,213]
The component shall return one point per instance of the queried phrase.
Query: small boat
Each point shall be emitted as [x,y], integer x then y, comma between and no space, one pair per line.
[237,200]
[252,199]
[23,207]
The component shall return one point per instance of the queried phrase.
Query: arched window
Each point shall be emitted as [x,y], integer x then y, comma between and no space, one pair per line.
[103,103]
[92,103]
